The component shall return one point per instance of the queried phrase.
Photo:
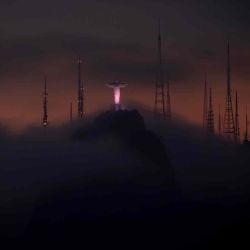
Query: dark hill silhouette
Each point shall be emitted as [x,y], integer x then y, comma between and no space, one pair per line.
[130,128]
[246,144]
[113,187]
[119,205]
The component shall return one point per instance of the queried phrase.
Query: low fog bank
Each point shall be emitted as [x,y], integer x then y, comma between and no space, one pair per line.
[83,158]
[129,170]
[206,166]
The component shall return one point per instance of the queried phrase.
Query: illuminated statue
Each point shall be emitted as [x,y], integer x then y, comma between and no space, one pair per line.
[116,86]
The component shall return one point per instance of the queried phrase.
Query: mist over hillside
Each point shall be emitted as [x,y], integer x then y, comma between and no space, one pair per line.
[122,177]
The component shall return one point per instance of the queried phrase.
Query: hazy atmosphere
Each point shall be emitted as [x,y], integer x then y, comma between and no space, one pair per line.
[124,124]
[40,38]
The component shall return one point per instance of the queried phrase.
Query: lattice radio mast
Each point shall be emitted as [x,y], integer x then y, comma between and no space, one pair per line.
[229,126]
[205,102]
[237,123]
[45,104]
[210,114]
[80,99]
[159,108]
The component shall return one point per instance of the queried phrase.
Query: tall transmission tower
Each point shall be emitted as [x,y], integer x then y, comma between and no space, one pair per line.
[205,102]
[80,99]
[246,132]
[210,114]
[219,122]
[169,115]
[237,123]
[159,108]
[228,125]
[45,104]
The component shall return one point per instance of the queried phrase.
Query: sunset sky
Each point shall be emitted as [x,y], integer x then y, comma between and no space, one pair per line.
[117,40]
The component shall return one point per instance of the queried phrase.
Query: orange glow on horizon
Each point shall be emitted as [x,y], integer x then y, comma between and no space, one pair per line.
[21,94]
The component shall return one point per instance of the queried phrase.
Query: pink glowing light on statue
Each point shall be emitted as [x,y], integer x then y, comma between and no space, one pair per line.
[116,86]
[117,94]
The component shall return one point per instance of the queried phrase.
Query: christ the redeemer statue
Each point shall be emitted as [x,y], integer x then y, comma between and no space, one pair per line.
[116,86]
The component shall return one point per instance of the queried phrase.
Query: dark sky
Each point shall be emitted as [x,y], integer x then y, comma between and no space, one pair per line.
[117,40]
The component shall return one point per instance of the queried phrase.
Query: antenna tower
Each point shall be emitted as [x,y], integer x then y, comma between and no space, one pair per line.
[80,90]
[45,104]
[210,114]
[247,123]
[159,108]
[228,126]
[219,122]
[169,115]
[237,123]
[205,112]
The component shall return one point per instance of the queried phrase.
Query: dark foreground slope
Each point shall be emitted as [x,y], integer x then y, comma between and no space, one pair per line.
[122,201]
[114,185]
[129,128]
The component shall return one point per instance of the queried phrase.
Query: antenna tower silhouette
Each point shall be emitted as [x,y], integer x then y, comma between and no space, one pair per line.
[228,125]
[159,108]
[219,122]
[237,123]
[80,99]
[169,115]
[45,104]
[210,114]
[205,112]
[247,123]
